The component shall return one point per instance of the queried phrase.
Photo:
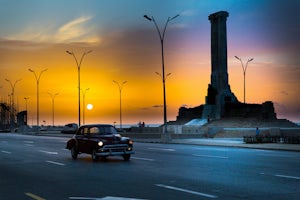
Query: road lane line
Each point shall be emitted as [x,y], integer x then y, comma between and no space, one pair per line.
[146,159]
[161,149]
[48,152]
[55,163]
[285,176]
[33,196]
[28,142]
[187,191]
[210,156]
[104,198]
[7,152]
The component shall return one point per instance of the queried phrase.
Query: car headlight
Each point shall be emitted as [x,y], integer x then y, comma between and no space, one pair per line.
[100,143]
[130,142]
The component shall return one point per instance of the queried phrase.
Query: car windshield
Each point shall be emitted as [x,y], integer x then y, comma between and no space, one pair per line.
[104,130]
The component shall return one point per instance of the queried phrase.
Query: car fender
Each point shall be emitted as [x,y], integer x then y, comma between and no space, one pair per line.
[71,143]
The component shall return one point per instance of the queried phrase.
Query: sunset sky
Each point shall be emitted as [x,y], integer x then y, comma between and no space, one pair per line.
[125,47]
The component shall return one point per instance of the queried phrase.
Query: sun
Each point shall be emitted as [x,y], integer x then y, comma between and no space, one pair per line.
[89,106]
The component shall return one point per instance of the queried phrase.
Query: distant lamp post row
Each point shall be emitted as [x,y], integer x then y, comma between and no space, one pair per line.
[37,77]
[161,36]
[244,72]
[78,70]
[120,86]
[12,106]
[52,98]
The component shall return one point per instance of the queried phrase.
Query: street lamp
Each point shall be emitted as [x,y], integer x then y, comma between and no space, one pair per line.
[120,86]
[53,97]
[244,72]
[78,69]
[161,36]
[12,109]
[83,104]
[26,102]
[37,78]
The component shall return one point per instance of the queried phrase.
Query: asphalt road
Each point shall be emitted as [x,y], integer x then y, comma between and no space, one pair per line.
[39,167]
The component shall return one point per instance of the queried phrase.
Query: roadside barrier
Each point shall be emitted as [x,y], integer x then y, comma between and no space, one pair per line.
[272,139]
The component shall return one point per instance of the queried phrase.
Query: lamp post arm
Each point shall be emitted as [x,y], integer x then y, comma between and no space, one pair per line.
[156,26]
[168,20]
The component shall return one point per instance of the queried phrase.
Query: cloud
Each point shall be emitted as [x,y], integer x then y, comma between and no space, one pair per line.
[284,93]
[78,30]
[189,13]
[150,107]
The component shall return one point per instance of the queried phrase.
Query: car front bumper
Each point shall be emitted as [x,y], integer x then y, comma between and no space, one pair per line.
[112,150]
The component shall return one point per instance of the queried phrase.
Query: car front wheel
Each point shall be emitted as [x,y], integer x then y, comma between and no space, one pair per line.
[74,152]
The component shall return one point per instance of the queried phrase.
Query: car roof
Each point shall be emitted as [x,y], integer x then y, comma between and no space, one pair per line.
[92,125]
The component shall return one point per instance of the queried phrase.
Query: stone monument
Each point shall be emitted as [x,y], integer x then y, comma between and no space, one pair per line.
[220,101]
[219,91]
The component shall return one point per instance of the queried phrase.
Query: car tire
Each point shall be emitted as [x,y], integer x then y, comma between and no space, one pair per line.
[74,152]
[94,155]
[126,157]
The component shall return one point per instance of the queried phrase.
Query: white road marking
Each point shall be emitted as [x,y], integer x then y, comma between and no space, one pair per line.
[210,156]
[7,152]
[160,149]
[272,155]
[104,198]
[33,196]
[28,142]
[187,191]
[29,145]
[48,152]
[146,159]
[55,163]
[285,176]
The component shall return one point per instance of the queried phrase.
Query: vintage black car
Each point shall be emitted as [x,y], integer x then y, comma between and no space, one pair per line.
[101,141]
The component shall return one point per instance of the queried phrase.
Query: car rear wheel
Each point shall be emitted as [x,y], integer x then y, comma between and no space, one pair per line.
[94,155]
[126,157]
[74,152]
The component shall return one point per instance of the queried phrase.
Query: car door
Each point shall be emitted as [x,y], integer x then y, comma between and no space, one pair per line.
[82,139]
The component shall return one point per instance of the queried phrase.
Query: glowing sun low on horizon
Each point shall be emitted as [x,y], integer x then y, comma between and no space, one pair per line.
[89,106]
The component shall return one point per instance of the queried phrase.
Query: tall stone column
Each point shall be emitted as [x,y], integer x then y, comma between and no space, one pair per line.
[219,76]
[218,90]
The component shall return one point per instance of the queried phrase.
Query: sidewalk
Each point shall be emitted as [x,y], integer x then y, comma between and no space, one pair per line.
[228,142]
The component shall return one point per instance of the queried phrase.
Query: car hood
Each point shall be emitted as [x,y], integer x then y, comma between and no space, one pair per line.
[111,138]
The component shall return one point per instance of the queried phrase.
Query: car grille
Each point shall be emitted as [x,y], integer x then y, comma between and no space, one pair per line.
[115,148]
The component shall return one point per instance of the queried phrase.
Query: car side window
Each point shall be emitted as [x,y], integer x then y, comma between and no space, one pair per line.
[86,131]
[94,130]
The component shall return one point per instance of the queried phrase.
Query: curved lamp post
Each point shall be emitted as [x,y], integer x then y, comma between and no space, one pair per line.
[52,98]
[78,69]
[120,86]
[37,78]
[244,72]
[161,36]
[83,104]
[12,109]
